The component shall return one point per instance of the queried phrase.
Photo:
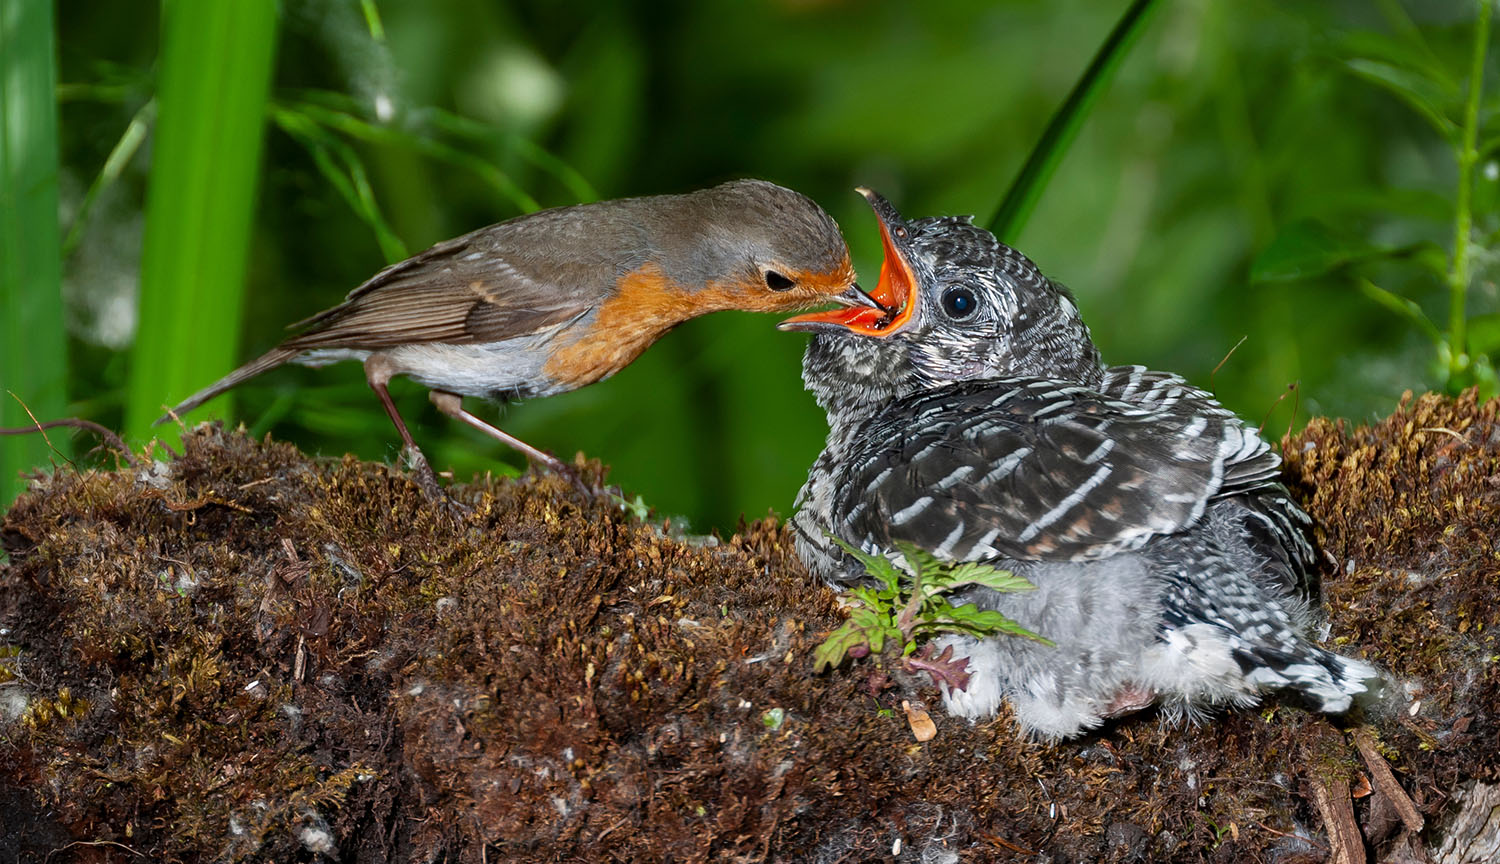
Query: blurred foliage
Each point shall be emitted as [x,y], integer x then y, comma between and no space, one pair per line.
[1254,170]
[33,371]
[1449,101]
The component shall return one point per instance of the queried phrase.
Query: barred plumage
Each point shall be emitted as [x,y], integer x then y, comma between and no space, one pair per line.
[980,425]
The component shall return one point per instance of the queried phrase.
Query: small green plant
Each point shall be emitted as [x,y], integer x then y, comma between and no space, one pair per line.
[903,609]
[636,507]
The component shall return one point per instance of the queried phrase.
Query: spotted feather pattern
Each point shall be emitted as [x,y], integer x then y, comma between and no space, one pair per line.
[1032,469]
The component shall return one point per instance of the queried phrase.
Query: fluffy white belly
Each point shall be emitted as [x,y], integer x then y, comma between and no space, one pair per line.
[493,370]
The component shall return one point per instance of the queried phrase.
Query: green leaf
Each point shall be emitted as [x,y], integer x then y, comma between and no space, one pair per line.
[360,129]
[970,619]
[345,172]
[866,596]
[120,156]
[522,146]
[876,565]
[1020,199]
[1308,248]
[1416,91]
[1407,309]
[877,626]
[1413,74]
[832,651]
[866,627]
[879,615]
[918,560]
[974,573]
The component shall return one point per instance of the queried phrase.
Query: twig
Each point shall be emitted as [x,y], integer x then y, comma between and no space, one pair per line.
[39,428]
[1385,781]
[1225,360]
[1446,431]
[997,840]
[1345,843]
[95,843]
[198,503]
[1293,389]
[1308,840]
[104,432]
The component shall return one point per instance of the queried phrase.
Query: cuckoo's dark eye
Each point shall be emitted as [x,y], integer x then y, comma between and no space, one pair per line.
[959,303]
[777,282]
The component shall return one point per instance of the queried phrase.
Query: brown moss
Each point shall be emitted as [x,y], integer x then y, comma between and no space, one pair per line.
[264,656]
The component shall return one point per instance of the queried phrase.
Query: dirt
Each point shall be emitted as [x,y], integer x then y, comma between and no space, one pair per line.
[244,653]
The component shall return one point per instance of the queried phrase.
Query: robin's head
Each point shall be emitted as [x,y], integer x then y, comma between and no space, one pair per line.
[953,304]
[756,246]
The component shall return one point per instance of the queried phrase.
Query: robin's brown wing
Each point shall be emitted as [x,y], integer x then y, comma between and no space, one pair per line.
[500,282]
[1035,470]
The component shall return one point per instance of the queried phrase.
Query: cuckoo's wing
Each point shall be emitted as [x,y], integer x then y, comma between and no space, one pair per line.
[1271,522]
[1039,470]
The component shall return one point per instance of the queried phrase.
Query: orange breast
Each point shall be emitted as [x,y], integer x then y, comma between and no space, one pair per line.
[645,305]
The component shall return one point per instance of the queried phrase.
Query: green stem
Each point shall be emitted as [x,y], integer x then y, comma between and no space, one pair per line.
[1458,276]
[120,156]
[372,20]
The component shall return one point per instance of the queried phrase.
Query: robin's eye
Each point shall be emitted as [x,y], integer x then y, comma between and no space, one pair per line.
[959,303]
[777,282]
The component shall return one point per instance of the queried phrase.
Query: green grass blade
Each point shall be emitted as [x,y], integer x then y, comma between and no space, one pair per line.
[360,129]
[350,179]
[1027,188]
[33,345]
[523,147]
[124,150]
[215,71]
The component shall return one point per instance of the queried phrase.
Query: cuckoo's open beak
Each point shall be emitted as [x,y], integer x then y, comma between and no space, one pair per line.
[893,295]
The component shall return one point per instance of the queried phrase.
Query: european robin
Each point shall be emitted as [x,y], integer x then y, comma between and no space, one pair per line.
[554,300]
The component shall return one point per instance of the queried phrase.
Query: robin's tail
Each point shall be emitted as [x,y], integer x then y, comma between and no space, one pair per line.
[269,360]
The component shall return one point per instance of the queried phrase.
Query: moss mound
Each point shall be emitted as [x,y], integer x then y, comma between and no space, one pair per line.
[246,654]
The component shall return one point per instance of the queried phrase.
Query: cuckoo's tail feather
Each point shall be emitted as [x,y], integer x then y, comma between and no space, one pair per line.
[269,360]
[1328,682]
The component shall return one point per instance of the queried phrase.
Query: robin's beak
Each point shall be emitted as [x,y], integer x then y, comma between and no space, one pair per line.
[887,308]
[856,296]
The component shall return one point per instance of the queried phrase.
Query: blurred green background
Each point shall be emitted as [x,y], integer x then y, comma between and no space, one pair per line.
[1281,173]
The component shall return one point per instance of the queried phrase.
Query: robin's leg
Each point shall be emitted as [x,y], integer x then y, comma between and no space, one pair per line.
[452,404]
[378,371]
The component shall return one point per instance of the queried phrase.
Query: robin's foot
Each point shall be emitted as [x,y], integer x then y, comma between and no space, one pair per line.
[563,469]
[425,478]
